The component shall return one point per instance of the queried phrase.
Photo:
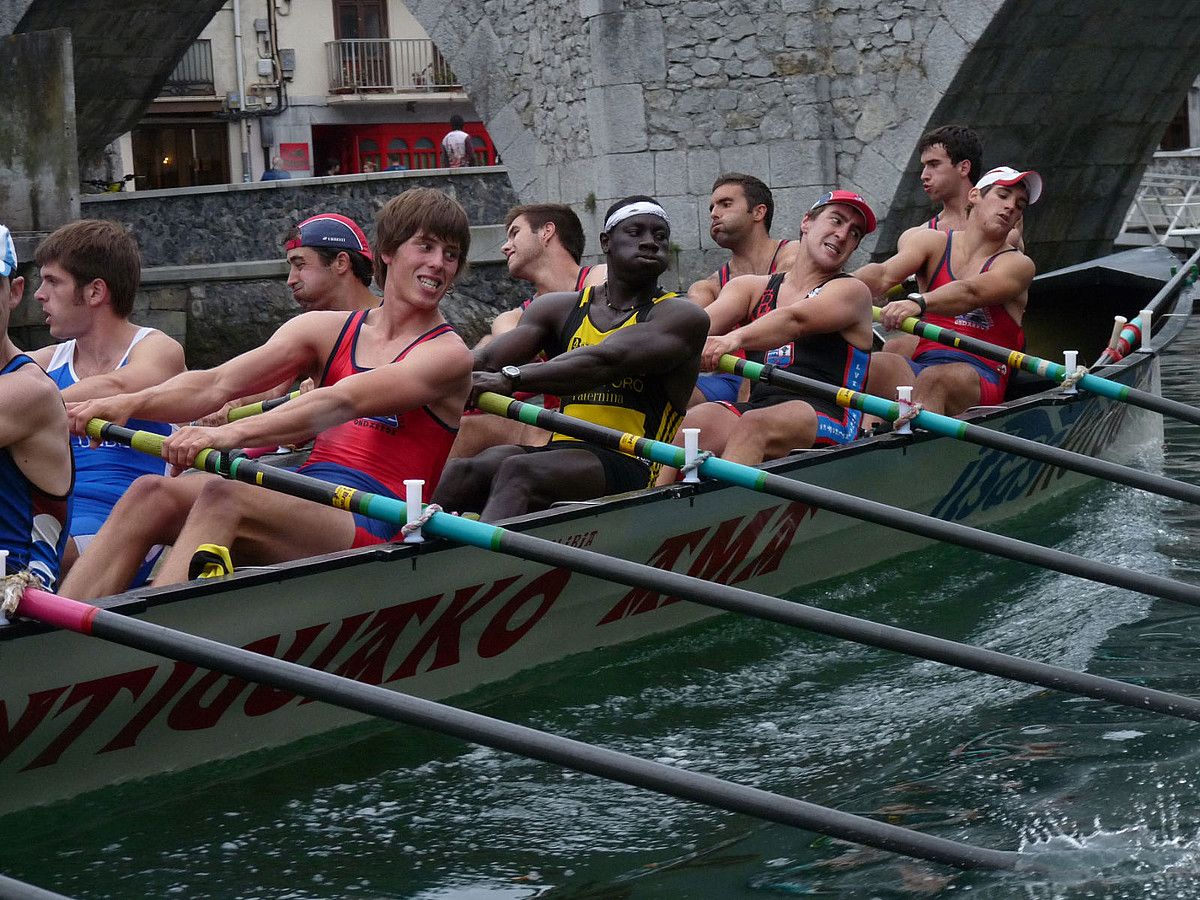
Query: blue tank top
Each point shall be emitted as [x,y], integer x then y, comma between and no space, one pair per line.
[32,522]
[104,473]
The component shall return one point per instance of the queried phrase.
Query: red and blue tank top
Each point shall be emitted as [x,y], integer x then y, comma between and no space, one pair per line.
[987,323]
[389,448]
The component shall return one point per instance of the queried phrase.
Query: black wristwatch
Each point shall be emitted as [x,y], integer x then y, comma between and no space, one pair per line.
[918,299]
[513,374]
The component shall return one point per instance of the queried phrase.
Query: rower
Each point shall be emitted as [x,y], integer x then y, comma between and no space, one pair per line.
[90,271]
[330,267]
[972,281]
[36,471]
[740,212]
[392,384]
[814,320]
[544,245]
[624,354]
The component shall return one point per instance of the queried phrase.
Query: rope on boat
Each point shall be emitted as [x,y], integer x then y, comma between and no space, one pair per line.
[1073,378]
[14,588]
[696,463]
[910,412]
[420,521]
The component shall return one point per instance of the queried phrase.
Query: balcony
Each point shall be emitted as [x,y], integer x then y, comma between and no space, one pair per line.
[387,66]
[193,76]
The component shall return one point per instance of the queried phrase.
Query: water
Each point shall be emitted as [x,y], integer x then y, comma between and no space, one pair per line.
[1102,799]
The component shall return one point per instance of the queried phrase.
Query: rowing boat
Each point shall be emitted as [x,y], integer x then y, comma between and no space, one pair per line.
[438,620]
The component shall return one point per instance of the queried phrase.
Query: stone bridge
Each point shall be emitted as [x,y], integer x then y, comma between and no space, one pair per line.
[590,100]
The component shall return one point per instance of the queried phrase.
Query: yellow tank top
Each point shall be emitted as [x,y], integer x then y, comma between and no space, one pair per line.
[635,403]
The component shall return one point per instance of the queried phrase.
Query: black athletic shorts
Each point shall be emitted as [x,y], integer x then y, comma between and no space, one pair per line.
[621,473]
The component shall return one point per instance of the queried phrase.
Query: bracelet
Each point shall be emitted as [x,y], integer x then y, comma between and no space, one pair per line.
[918,299]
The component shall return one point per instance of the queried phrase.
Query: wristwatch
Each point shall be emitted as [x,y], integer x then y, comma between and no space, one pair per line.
[918,299]
[513,374]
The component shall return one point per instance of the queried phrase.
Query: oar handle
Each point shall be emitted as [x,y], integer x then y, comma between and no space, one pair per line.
[262,406]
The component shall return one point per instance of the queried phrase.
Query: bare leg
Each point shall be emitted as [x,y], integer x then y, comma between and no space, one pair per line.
[771,432]
[530,482]
[715,423]
[901,344]
[947,389]
[151,512]
[259,527]
[466,483]
[887,372]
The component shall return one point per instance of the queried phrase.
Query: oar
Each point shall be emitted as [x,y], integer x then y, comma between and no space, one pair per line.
[672,584]
[849,505]
[965,431]
[1113,390]
[11,889]
[262,406]
[397,707]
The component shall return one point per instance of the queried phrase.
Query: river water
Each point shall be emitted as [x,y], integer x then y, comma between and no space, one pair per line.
[1105,797]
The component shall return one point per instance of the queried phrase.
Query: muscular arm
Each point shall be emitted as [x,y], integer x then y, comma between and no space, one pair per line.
[914,250]
[293,349]
[705,291]
[1007,281]
[732,306]
[533,332]
[152,361]
[672,335]
[33,428]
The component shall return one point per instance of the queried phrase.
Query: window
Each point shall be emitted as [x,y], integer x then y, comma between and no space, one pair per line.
[180,155]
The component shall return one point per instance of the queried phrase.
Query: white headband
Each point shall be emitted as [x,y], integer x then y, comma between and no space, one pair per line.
[641,207]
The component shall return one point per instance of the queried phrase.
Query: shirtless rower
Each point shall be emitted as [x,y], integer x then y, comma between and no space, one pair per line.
[393,381]
[36,472]
[90,272]
[972,281]
[623,354]
[740,213]
[544,245]
[814,320]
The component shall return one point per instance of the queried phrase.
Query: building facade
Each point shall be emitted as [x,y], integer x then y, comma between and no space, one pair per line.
[307,87]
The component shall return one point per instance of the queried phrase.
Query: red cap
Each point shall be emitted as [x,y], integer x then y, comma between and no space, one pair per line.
[849,198]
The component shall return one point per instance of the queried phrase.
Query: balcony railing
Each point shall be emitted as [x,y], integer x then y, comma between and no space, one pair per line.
[387,66]
[193,76]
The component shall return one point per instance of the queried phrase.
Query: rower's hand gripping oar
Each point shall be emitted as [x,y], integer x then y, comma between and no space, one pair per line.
[384,703]
[1103,387]
[965,431]
[666,582]
[262,406]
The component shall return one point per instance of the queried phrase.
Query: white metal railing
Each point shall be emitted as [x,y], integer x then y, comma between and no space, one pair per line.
[1166,209]
[387,65]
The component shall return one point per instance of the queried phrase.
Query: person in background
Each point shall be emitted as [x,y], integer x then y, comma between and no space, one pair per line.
[277,172]
[456,145]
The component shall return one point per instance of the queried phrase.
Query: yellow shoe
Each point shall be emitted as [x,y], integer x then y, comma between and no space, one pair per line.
[210,561]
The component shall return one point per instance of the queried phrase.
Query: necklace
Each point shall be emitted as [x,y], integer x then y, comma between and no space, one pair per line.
[620,309]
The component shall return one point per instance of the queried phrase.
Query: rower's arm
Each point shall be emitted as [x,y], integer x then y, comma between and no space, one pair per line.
[1006,281]
[153,360]
[533,331]
[705,291]
[913,252]
[732,306]
[28,404]
[838,306]
[190,395]
[672,335]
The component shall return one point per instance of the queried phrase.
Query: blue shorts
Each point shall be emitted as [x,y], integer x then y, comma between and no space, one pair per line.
[367,531]
[719,386]
[941,357]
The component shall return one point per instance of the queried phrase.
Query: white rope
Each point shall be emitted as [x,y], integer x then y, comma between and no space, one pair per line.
[421,520]
[1073,378]
[697,462]
[910,412]
[14,588]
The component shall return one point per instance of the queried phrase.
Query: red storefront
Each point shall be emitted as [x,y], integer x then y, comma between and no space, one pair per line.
[411,145]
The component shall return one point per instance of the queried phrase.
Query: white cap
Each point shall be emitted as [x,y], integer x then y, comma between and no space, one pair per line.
[1008,176]
[8,253]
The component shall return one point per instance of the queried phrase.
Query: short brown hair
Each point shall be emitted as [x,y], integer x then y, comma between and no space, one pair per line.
[756,191]
[566,224]
[960,143]
[96,248]
[419,210]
